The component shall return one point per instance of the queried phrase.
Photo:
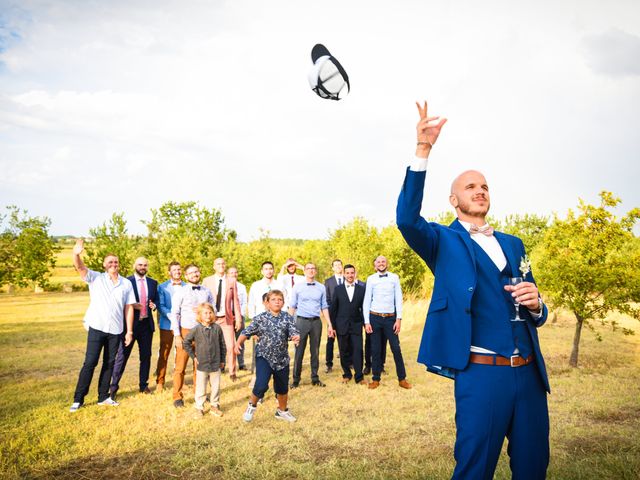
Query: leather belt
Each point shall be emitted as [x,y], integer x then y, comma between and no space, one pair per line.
[308,318]
[382,314]
[499,360]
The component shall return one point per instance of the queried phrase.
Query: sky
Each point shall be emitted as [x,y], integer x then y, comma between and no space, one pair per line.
[120,106]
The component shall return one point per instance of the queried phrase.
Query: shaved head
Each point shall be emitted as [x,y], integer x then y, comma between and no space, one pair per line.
[460,179]
[470,197]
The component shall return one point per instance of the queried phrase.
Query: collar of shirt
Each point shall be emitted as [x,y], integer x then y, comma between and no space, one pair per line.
[467,226]
[138,277]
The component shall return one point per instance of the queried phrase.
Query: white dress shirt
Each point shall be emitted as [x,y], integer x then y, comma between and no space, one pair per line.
[242,297]
[350,289]
[212,283]
[257,290]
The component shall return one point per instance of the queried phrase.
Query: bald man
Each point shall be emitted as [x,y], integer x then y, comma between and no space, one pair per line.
[146,292]
[472,333]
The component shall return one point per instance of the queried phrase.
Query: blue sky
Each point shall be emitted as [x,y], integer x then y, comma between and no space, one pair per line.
[120,106]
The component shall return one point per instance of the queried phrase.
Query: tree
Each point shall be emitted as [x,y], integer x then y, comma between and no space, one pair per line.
[184,232]
[112,238]
[27,252]
[589,263]
[357,243]
[403,260]
[530,228]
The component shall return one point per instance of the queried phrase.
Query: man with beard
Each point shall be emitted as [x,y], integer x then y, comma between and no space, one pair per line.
[146,291]
[473,332]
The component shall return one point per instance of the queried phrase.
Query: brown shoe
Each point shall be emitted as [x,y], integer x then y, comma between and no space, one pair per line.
[361,382]
[216,412]
[405,384]
[345,380]
[233,378]
[374,384]
[146,391]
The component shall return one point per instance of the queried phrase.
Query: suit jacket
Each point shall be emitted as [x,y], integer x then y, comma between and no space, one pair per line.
[152,295]
[231,300]
[346,316]
[448,252]
[330,285]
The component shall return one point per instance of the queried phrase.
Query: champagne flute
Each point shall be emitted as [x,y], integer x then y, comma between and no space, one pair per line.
[513,281]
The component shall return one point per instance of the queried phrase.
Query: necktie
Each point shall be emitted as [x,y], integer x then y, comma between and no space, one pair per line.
[384,275]
[219,295]
[195,287]
[487,230]
[340,281]
[143,298]
[292,282]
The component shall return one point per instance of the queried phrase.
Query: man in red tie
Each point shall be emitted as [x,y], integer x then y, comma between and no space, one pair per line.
[146,292]
[288,278]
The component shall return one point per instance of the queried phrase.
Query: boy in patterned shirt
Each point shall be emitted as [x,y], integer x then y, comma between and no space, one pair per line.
[275,328]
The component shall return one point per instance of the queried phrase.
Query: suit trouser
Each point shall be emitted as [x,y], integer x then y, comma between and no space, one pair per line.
[182,357]
[350,346]
[493,402]
[240,356]
[212,378]
[230,340]
[97,341]
[143,336]
[166,342]
[328,354]
[368,362]
[310,328]
[383,327]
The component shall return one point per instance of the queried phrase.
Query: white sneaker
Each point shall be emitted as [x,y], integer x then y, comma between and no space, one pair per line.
[248,413]
[74,407]
[109,402]
[285,415]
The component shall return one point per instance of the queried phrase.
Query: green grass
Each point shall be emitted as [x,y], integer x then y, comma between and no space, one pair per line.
[342,431]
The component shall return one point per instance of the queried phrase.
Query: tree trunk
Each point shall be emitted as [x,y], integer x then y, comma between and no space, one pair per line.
[573,360]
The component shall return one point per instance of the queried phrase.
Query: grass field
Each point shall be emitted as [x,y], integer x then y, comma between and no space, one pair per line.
[342,431]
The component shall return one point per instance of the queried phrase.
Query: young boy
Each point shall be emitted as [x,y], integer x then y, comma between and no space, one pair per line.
[275,328]
[209,357]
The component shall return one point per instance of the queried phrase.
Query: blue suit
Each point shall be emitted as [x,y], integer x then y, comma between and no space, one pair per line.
[491,401]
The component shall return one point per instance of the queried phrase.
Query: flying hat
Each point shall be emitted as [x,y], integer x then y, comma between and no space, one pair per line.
[327,77]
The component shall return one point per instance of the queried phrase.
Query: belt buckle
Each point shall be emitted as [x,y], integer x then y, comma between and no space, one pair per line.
[511,359]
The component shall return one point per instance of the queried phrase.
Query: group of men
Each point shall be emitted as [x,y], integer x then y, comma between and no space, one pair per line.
[343,305]
[480,330]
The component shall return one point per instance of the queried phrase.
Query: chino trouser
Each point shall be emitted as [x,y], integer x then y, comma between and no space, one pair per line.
[212,378]
[166,342]
[97,341]
[310,328]
[383,327]
[229,333]
[182,357]
[368,362]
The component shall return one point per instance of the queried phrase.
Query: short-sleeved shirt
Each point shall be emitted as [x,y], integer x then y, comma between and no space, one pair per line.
[309,298]
[274,332]
[108,299]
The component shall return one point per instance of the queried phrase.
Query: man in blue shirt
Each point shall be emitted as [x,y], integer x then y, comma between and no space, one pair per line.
[309,301]
[165,291]
[382,309]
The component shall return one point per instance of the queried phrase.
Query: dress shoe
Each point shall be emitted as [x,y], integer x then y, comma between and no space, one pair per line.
[328,369]
[318,383]
[361,382]
[294,385]
[242,367]
[233,377]
[366,371]
[374,384]
[345,379]
[178,403]
[405,384]
[146,391]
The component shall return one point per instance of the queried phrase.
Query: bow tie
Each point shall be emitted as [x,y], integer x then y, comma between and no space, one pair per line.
[384,275]
[488,230]
[350,286]
[311,283]
[195,287]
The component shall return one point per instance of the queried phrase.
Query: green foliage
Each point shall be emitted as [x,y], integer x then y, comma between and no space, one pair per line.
[185,232]
[112,238]
[357,243]
[27,252]
[589,263]
[530,228]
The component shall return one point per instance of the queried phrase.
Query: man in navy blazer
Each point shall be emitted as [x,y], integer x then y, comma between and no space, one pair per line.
[146,292]
[470,334]
[345,312]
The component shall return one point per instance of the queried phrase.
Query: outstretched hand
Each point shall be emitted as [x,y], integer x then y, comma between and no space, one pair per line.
[428,128]
[78,248]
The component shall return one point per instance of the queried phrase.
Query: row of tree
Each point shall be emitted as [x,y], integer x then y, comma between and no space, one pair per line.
[587,262]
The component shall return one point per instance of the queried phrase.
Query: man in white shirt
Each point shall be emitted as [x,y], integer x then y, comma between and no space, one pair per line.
[260,287]
[112,301]
[289,278]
